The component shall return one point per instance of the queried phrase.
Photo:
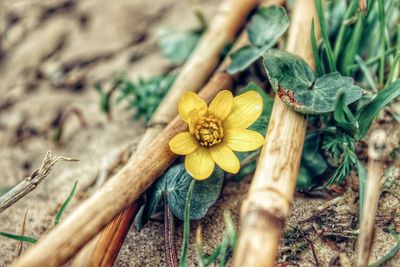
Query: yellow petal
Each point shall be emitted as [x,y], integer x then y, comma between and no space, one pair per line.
[225,158]
[239,139]
[221,104]
[246,109]
[199,164]
[183,143]
[189,102]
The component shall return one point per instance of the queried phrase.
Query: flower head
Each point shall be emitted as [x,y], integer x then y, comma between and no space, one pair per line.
[216,131]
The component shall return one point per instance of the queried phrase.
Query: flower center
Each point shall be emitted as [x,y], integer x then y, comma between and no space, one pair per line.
[209,131]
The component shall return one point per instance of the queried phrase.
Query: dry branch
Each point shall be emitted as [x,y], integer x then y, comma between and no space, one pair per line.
[204,59]
[31,182]
[376,153]
[266,208]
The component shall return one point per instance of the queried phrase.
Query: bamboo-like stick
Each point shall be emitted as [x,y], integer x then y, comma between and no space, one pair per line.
[28,184]
[90,257]
[222,29]
[376,153]
[267,205]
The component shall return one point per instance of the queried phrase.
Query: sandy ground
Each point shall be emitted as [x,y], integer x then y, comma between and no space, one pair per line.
[51,55]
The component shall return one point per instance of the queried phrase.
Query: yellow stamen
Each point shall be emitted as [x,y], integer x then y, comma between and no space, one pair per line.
[209,131]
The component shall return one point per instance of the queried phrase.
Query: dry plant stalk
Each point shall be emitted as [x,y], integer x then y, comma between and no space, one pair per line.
[28,184]
[266,208]
[376,153]
[204,59]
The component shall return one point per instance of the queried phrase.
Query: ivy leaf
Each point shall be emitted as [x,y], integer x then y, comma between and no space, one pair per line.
[295,83]
[265,28]
[205,193]
[174,183]
[311,159]
[304,179]
[177,46]
[267,25]
[243,58]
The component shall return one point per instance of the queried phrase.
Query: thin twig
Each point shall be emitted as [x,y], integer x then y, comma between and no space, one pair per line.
[376,152]
[22,233]
[169,236]
[28,184]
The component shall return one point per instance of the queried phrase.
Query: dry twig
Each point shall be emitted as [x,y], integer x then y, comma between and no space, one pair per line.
[31,182]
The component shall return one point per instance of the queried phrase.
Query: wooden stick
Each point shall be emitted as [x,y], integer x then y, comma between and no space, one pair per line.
[266,208]
[226,22]
[376,154]
[28,184]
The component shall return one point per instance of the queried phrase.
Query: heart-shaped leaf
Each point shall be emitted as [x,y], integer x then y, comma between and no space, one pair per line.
[205,193]
[295,83]
[243,58]
[267,25]
[177,46]
[265,28]
[174,183]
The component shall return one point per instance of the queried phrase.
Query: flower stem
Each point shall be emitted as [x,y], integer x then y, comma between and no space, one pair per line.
[169,235]
[186,226]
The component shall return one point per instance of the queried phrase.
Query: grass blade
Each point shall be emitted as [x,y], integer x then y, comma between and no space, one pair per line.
[186,226]
[324,33]
[353,46]
[382,20]
[19,237]
[367,113]
[65,204]
[317,59]
[367,73]
[392,253]
[343,28]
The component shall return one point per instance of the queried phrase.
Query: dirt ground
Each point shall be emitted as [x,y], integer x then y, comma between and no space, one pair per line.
[51,55]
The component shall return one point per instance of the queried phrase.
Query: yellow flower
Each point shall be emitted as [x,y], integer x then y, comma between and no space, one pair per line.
[215,132]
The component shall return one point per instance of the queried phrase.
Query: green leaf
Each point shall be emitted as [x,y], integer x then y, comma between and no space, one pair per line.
[65,204]
[153,198]
[311,159]
[295,83]
[19,237]
[324,34]
[205,193]
[177,46]
[366,115]
[317,59]
[268,101]
[267,25]
[265,28]
[304,179]
[344,117]
[243,58]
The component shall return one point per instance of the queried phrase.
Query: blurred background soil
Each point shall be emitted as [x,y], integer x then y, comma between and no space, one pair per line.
[52,53]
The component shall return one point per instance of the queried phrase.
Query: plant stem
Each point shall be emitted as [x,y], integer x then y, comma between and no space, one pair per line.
[382,35]
[169,235]
[342,31]
[28,184]
[186,226]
